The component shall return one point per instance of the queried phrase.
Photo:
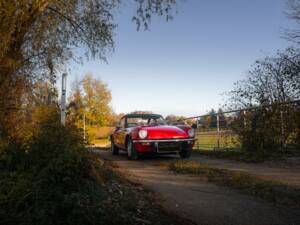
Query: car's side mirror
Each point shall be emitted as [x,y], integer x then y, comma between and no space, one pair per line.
[194,126]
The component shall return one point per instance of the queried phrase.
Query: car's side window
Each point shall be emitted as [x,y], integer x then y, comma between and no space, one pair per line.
[122,123]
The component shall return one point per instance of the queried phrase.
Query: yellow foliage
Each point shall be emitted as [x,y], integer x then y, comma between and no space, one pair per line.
[91,99]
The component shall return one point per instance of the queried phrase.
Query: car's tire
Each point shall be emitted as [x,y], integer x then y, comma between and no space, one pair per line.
[114,149]
[185,153]
[131,152]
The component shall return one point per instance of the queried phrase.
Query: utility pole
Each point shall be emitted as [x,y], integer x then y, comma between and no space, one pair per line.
[218,130]
[63,99]
[84,137]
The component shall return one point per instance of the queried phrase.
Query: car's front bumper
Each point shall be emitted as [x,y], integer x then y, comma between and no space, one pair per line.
[163,145]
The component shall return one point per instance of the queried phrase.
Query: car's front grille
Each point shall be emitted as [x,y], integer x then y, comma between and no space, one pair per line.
[168,146]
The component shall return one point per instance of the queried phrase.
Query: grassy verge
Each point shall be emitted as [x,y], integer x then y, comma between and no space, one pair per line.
[235,155]
[211,140]
[251,157]
[269,190]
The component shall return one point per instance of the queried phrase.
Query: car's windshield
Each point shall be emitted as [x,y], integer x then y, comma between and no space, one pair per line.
[145,121]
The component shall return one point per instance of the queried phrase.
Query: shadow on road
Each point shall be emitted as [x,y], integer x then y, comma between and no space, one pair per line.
[143,157]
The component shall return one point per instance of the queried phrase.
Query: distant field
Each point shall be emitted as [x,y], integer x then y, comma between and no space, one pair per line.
[101,142]
[209,140]
[99,135]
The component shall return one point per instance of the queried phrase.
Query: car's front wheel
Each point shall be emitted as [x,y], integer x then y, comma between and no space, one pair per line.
[131,152]
[114,149]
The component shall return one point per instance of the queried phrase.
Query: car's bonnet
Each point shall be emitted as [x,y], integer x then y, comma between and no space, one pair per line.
[165,132]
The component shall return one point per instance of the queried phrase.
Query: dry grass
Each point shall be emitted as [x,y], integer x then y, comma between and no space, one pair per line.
[96,132]
[209,140]
[99,135]
[104,143]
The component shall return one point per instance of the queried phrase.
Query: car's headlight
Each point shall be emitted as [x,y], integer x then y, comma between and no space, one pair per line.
[143,134]
[191,132]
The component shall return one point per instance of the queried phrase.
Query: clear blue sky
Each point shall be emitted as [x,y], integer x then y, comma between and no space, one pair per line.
[182,67]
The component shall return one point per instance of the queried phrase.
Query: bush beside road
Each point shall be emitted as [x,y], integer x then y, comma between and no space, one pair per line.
[48,178]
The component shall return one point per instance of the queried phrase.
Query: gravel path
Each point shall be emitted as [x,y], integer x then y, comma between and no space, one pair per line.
[196,199]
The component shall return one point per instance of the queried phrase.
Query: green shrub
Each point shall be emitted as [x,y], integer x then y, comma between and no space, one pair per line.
[46,180]
[267,131]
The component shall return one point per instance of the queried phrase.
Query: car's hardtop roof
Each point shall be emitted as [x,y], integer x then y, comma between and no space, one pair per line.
[148,115]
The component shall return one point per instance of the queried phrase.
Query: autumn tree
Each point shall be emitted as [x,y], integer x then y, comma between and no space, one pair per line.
[96,100]
[38,37]
[141,112]
[91,97]
[75,107]
[174,118]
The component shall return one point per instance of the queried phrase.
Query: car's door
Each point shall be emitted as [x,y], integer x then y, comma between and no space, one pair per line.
[120,134]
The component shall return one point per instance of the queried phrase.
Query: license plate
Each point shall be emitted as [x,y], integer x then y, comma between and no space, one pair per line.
[168,146]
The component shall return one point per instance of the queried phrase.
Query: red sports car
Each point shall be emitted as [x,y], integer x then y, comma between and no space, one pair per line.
[149,133]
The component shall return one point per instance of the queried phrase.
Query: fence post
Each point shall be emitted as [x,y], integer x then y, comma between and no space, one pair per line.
[245,122]
[218,129]
[281,130]
[196,133]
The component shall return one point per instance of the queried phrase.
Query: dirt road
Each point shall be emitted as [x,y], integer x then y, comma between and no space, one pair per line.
[194,198]
[287,171]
